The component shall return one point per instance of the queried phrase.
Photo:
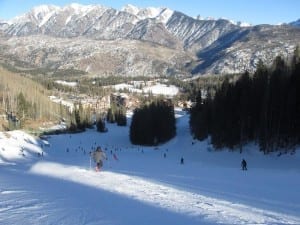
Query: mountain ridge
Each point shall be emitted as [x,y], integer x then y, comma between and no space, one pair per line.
[218,46]
[295,23]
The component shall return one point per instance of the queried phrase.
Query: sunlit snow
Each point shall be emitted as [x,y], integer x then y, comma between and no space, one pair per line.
[156,89]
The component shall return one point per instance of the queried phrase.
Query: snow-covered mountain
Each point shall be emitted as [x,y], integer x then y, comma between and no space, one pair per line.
[80,20]
[204,46]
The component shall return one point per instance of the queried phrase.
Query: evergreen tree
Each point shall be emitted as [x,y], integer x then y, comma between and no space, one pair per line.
[22,106]
[200,117]
[293,103]
[121,116]
[111,118]
[22,109]
[101,125]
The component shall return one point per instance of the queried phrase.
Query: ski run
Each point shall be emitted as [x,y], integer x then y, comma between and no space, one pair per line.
[53,181]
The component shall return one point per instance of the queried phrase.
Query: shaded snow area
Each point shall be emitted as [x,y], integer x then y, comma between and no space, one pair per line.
[52,181]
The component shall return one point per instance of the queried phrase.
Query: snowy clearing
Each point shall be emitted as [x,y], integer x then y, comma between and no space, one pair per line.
[155,89]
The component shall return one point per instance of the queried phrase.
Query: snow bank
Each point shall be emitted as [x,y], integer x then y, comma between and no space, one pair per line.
[16,146]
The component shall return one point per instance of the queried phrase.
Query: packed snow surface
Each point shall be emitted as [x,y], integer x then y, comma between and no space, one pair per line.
[52,181]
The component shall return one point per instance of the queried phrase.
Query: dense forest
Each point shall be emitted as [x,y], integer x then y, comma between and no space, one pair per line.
[153,123]
[263,107]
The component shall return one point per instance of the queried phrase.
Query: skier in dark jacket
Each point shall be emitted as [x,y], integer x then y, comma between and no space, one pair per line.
[181,161]
[244,164]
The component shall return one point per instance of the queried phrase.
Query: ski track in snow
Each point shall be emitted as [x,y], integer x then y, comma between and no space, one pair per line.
[166,196]
[20,207]
[16,204]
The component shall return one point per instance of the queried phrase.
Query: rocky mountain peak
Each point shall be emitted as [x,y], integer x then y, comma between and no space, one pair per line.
[130,9]
[42,10]
[161,14]
[78,9]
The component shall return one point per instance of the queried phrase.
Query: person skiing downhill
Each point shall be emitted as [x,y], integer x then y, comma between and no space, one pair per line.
[244,164]
[98,156]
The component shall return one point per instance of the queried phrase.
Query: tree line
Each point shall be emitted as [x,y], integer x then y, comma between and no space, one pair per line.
[263,107]
[153,123]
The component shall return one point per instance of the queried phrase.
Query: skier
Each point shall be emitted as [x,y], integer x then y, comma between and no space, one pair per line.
[181,161]
[115,157]
[98,156]
[244,164]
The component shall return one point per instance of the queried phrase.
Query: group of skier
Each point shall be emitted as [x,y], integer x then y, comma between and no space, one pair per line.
[99,156]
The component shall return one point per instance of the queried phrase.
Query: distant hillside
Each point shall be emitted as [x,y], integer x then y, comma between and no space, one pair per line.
[26,101]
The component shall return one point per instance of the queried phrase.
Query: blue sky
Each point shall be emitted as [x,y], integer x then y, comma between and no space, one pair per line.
[252,11]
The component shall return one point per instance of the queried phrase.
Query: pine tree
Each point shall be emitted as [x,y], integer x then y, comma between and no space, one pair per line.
[111,118]
[22,109]
[293,103]
[121,116]
[22,106]
[101,125]
[200,117]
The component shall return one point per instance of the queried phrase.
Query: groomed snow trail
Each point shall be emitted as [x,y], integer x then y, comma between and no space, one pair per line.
[166,196]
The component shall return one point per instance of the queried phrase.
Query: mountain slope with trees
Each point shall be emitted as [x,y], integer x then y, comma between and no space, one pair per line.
[24,102]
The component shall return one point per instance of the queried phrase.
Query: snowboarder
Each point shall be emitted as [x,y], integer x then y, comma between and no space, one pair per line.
[98,156]
[244,164]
